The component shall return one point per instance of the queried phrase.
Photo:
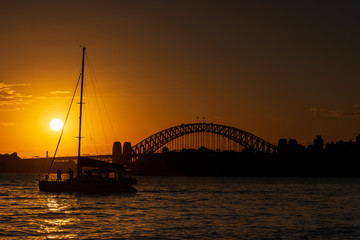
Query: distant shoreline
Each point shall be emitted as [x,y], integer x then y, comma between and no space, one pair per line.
[231,164]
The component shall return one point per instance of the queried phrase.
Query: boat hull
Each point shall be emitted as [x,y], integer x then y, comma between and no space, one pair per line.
[81,186]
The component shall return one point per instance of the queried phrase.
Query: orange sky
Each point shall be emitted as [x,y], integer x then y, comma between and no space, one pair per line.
[273,68]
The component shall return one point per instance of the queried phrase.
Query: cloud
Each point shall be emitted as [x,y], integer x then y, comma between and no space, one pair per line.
[334,113]
[347,114]
[11,100]
[6,124]
[319,110]
[9,97]
[11,109]
[59,92]
[14,85]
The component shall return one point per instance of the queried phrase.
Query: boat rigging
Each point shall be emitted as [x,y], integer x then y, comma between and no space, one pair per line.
[103,177]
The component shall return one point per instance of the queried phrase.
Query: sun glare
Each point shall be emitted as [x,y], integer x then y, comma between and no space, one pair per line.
[56,124]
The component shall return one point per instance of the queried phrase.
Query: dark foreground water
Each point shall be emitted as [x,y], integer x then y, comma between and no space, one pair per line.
[186,208]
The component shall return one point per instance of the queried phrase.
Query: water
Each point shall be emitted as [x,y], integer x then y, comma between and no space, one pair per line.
[186,208]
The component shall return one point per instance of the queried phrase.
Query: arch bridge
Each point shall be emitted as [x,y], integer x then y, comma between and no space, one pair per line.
[160,139]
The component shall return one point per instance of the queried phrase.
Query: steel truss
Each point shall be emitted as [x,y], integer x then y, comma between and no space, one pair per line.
[159,139]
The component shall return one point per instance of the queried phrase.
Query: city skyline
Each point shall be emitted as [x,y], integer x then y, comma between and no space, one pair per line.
[274,69]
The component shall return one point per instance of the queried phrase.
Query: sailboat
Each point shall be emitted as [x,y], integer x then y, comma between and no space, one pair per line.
[102,177]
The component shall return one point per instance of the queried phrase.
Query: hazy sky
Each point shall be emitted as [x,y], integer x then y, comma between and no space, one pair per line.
[277,69]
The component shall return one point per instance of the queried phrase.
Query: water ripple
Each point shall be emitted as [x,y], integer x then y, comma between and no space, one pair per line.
[185,208]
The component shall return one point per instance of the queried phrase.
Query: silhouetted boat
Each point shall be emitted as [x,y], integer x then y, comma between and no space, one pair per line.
[102,177]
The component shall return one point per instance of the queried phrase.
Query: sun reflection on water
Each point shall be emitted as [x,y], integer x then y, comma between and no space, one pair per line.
[59,222]
[186,208]
[53,205]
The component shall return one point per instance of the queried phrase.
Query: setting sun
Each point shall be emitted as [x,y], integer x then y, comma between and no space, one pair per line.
[56,124]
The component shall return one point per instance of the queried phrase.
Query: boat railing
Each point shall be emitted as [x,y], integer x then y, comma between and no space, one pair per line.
[53,177]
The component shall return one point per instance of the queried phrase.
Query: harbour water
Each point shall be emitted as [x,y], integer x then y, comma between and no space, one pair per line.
[186,208]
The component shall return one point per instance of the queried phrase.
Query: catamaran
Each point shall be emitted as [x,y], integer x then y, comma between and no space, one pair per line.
[100,176]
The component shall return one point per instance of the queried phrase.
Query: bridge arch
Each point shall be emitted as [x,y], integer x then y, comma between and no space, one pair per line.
[159,139]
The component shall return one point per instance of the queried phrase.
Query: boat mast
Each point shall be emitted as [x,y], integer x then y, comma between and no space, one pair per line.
[81,104]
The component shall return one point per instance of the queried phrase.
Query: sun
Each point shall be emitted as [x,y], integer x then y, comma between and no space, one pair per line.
[56,124]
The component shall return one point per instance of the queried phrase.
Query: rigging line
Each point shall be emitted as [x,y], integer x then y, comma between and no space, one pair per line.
[86,122]
[62,131]
[91,142]
[96,86]
[90,127]
[90,130]
[101,97]
[97,103]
